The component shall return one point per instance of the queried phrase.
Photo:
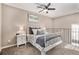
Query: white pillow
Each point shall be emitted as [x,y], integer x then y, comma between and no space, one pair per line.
[43,28]
[41,31]
[34,31]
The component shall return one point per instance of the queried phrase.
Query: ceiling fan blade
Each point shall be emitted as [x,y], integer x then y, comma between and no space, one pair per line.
[41,10]
[48,4]
[51,9]
[39,7]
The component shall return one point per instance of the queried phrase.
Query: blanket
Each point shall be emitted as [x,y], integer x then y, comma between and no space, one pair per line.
[41,40]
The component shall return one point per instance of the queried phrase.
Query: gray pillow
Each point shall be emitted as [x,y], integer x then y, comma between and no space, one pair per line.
[40,32]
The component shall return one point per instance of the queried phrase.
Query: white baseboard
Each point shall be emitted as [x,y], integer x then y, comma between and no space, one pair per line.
[8,46]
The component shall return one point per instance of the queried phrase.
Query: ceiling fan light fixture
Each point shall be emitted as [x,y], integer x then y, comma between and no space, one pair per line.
[45,10]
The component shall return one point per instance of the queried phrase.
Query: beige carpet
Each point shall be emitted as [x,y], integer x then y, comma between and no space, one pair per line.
[69,46]
[31,50]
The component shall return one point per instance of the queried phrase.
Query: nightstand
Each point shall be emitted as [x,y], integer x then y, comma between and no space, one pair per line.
[21,39]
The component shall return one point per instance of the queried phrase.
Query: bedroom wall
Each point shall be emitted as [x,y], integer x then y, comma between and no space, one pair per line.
[0,24]
[42,21]
[66,21]
[12,17]
[46,22]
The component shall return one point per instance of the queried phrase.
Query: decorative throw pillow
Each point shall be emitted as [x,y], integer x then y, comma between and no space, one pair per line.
[30,30]
[40,32]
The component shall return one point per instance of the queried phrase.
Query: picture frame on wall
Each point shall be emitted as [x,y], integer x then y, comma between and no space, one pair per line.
[33,18]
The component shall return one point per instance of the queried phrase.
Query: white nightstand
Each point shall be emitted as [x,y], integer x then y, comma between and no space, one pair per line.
[21,39]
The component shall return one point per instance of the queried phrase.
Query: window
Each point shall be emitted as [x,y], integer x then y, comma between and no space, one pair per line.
[75,34]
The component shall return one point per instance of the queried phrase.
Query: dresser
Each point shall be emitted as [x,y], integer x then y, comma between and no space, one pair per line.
[21,39]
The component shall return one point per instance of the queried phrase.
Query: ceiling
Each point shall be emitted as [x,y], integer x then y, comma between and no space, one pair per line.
[61,8]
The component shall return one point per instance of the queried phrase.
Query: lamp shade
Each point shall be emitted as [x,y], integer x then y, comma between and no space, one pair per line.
[20,29]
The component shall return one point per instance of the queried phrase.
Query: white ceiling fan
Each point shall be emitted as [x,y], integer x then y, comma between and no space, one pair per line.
[44,7]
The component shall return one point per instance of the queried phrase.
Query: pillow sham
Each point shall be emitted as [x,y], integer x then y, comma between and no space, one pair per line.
[40,32]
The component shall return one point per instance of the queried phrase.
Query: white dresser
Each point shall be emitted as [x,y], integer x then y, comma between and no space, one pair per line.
[21,39]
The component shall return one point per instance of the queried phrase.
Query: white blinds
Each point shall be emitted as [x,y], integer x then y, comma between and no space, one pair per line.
[75,34]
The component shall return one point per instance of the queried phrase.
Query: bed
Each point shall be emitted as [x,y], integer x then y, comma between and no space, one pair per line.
[44,41]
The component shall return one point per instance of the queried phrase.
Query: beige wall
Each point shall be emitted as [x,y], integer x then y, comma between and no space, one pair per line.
[43,21]
[46,22]
[11,18]
[0,25]
[66,21]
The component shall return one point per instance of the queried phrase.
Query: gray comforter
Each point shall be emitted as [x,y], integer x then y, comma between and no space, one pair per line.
[41,41]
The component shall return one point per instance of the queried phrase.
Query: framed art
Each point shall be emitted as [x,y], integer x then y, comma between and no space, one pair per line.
[33,18]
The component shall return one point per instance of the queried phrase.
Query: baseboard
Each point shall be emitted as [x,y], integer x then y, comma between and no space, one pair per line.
[8,46]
